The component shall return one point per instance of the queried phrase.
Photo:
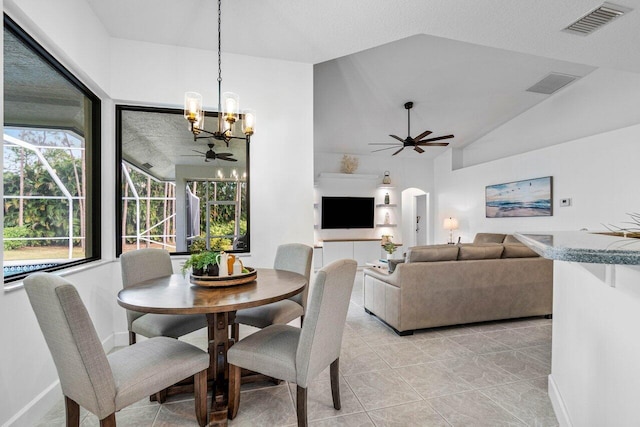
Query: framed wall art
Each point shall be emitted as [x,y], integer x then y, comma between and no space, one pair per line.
[530,197]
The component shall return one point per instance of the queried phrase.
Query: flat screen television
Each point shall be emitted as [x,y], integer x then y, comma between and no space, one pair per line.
[347,212]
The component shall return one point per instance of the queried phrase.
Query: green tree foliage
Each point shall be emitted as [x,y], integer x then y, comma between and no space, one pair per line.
[41,217]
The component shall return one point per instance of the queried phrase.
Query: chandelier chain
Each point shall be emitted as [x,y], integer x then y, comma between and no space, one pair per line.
[219,42]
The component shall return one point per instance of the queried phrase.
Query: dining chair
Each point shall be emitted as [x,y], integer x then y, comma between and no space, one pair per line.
[146,264]
[298,355]
[294,257]
[100,383]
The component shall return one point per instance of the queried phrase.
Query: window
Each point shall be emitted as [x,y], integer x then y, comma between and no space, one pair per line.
[51,161]
[177,193]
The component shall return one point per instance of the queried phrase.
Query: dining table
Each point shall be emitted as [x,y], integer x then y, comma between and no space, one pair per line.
[175,294]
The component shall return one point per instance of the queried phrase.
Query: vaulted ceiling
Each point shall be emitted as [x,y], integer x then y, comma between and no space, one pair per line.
[466,64]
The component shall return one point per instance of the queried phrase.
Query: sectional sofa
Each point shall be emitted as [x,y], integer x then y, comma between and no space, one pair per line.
[496,277]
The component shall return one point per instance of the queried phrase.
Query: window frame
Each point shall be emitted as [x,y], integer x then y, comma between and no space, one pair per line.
[93,198]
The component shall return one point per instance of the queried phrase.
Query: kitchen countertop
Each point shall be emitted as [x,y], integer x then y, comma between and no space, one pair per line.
[583,246]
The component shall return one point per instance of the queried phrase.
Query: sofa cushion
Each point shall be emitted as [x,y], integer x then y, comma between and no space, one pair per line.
[511,239]
[489,238]
[517,251]
[432,253]
[484,251]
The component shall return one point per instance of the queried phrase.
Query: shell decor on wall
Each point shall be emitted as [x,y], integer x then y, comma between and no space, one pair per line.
[349,164]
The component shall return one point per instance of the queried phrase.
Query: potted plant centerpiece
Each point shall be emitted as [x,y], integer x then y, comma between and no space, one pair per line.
[390,248]
[202,264]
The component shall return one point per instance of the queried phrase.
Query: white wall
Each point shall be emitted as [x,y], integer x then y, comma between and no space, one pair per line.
[599,173]
[143,73]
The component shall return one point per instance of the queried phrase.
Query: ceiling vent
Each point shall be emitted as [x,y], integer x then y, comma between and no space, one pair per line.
[596,19]
[552,83]
[147,165]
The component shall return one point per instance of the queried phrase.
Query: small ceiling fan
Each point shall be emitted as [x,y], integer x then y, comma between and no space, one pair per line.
[416,142]
[212,155]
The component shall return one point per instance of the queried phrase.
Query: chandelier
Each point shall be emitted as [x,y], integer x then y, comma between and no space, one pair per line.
[227,117]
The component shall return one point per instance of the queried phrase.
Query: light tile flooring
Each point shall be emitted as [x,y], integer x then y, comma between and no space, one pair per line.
[489,374]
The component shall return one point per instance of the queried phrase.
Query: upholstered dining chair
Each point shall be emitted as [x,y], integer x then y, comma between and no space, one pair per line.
[299,355]
[146,264]
[105,384]
[294,257]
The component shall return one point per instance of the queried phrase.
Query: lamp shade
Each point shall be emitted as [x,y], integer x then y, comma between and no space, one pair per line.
[450,224]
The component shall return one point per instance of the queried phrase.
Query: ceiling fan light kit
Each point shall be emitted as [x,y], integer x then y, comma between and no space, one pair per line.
[227,116]
[417,142]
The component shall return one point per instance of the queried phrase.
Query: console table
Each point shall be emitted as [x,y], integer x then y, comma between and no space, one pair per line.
[595,373]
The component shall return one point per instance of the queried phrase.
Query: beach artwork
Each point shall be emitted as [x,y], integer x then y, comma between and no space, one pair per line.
[531,197]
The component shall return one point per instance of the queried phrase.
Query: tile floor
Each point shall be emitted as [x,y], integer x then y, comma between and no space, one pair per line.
[489,374]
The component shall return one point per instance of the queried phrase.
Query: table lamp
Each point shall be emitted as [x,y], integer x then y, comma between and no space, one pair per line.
[450,224]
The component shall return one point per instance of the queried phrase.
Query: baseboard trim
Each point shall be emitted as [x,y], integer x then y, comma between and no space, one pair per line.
[33,411]
[38,407]
[559,407]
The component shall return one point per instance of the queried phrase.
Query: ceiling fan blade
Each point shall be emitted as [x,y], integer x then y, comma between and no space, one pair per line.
[383,143]
[228,159]
[436,139]
[199,152]
[398,151]
[422,135]
[397,137]
[435,144]
[382,149]
[191,155]
[418,149]
[224,154]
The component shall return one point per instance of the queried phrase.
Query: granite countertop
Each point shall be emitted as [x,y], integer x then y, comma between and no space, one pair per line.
[583,246]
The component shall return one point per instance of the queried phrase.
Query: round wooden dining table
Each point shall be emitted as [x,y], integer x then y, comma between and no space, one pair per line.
[176,295]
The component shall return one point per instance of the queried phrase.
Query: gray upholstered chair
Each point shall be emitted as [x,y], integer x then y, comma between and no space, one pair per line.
[293,257]
[299,355]
[145,264]
[105,384]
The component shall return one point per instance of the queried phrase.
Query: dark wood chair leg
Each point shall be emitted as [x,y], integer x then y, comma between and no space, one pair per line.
[301,320]
[200,394]
[132,338]
[234,390]
[161,396]
[301,405]
[334,371]
[72,410]
[109,421]
[235,332]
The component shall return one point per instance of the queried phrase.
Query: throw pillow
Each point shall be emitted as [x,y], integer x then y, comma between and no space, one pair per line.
[489,238]
[432,253]
[486,251]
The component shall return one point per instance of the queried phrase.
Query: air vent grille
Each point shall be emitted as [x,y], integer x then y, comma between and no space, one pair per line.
[552,83]
[147,165]
[596,19]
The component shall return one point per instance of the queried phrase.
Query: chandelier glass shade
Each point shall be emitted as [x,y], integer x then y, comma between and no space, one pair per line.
[228,108]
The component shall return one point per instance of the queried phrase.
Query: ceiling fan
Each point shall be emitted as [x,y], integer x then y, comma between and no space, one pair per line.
[416,142]
[212,155]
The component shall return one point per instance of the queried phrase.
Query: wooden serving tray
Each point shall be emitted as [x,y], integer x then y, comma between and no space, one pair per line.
[218,281]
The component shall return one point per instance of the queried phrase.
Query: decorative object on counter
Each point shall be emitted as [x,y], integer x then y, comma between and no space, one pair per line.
[450,224]
[390,248]
[386,198]
[386,238]
[531,197]
[349,164]
[387,178]
[387,219]
[631,232]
